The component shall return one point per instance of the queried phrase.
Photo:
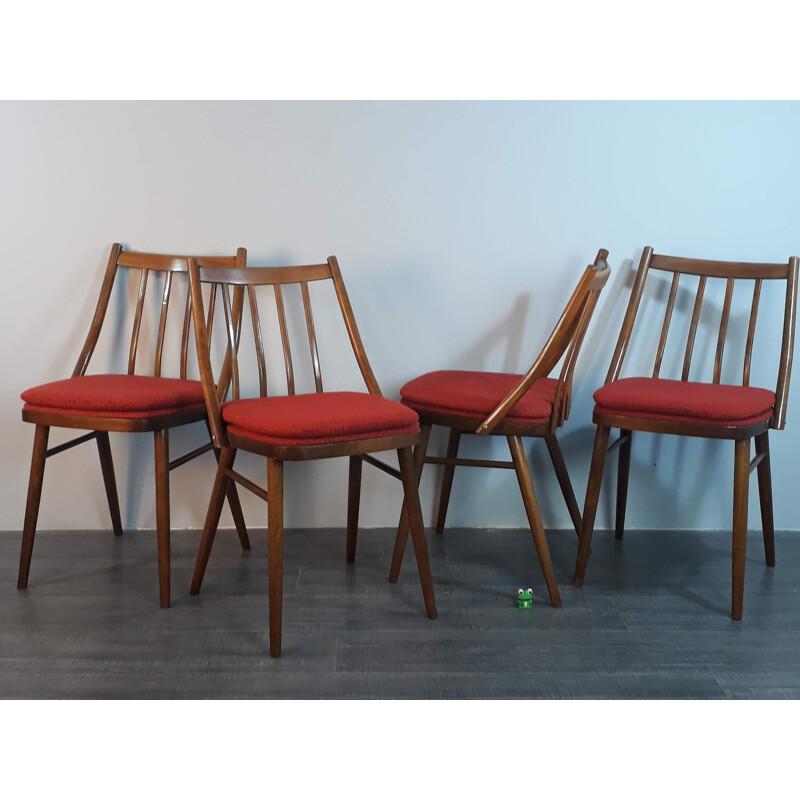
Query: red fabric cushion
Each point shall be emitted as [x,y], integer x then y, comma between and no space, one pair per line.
[324,418]
[126,396]
[685,401]
[477,394]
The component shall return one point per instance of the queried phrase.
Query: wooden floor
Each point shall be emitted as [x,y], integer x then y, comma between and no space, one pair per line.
[651,621]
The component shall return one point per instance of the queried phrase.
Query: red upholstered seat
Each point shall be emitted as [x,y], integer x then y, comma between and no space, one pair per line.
[125,396]
[477,394]
[324,418]
[685,401]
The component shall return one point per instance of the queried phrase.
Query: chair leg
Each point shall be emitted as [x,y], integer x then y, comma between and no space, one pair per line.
[590,504]
[234,503]
[107,465]
[402,527]
[765,496]
[534,517]
[275,553]
[447,480]
[238,515]
[162,514]
[353,502]
[741,481]
[563,481]
[218,492]
[623,471]
[32,506]
[409,477]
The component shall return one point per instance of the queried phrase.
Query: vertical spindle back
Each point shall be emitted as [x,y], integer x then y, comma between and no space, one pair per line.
[234,285]
[142,266]
[730,272]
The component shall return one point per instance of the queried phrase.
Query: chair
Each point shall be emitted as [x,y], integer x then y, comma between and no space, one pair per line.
[513,406]
[689,408]
[298,427]
[124,402]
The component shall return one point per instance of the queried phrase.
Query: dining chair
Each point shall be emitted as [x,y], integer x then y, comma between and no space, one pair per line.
[296,426]
[126,402]
[510,405]
[683,407]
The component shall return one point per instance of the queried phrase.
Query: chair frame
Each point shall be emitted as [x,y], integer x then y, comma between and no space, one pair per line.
[100,426]
[741,435]
[565,341]
[245,282]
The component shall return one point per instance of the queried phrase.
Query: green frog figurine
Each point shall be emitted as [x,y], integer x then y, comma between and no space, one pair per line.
[525,598]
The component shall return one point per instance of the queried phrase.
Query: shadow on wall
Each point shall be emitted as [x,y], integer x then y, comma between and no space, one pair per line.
[508,333]
[479,488]
[577,436]
[503,341]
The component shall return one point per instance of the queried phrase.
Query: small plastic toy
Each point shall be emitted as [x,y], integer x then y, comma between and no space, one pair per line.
[525,598]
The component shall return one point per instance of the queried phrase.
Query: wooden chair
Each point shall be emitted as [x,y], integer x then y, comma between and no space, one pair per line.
[687,408]
[513,406]
[298,427]
[124,402]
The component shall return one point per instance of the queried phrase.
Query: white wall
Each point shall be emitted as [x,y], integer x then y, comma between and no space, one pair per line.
[460,228]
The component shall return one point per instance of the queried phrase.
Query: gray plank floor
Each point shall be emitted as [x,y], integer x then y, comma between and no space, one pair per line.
[651,621]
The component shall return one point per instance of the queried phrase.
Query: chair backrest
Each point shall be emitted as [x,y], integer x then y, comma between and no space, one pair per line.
[566,338]
[729,271]
[146,264]
[236,284]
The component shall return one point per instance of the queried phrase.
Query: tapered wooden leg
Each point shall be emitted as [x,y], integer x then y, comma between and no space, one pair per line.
[563,481]
[238,515]
[218,492]
[38,458]
[162,514]
[411,494]
[447,480]
[107,465]
[741,480]
[353,502]
[534,517]
[590,504]
[623,471]
[233,502]
[402,528]
[275,553]
[765,496]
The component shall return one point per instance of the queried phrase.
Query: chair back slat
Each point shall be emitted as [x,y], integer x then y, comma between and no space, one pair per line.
[137,321]
[287,348]
[233,342]
[312,339]
[662,342]
[698,305]
[563,398]
[185,331]
[630,316]
[264,276]
[352,328]
[162,322]
[730,272]
[212,302]
[718,269]
[151,261]
[723,329]
[751,332]
[787,344]
[259,342]
[99,312]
